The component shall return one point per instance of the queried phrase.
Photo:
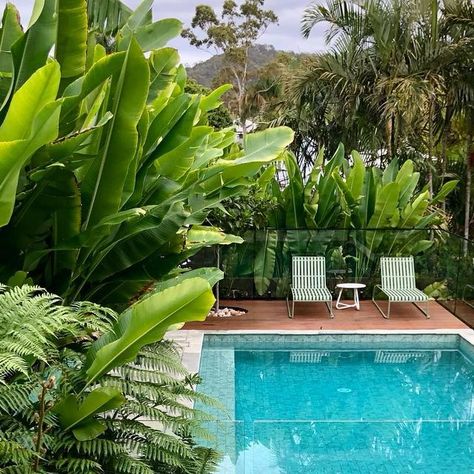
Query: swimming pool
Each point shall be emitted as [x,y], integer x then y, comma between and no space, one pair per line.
[341,403]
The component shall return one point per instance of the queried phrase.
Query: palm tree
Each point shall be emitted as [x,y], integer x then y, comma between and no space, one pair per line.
[458,24]
[373,70]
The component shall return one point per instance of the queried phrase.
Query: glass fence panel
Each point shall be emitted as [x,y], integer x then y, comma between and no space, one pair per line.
[360,446]
[228,438]
[463,306]
[260,267]
[343,446]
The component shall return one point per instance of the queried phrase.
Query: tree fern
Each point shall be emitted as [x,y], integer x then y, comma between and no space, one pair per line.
[42,352]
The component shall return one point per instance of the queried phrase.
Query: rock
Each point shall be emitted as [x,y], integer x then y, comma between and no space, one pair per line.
[225,313]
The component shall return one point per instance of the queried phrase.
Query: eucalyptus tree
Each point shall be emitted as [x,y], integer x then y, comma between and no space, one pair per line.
[233,35]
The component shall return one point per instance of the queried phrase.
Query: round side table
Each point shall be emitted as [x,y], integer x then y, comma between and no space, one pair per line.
[349,286]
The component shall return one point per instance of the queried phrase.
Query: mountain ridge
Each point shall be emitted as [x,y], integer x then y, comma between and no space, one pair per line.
[205,72]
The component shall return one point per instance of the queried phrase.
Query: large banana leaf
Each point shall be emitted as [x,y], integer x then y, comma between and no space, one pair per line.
[79,417]
[40,90]
[163,65]
[32,121]
[71,43]
[10,32]
[31,50]
[54,204]
[107,16]
[104,183]
[327,214]
[260,148]
[293,195]
[265,259]
[408,179]
[211,275]
[201,236]
[177,162]
[385,207]
[349,202]
[14,155]
[138,238]
[152,36]
[146,322]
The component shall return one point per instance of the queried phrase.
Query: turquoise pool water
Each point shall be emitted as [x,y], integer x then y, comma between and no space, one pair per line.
[341,404]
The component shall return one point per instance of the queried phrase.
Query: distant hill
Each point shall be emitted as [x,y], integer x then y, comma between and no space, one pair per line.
[206,71]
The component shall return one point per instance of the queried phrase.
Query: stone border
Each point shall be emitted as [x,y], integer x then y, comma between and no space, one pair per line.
[191,340]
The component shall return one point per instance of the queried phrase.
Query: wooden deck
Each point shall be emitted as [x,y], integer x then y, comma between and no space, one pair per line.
[465,312]
[272,315]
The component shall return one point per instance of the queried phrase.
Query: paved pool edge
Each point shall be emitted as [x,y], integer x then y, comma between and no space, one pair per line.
[191,340]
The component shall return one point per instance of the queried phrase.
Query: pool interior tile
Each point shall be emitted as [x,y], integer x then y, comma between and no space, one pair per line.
[250,445]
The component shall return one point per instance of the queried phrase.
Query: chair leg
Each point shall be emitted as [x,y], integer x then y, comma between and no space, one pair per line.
[386,316]
[426,311]
[291,312]
[356,299]
[329,307]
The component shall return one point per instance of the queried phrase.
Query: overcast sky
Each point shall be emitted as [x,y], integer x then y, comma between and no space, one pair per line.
[285,36]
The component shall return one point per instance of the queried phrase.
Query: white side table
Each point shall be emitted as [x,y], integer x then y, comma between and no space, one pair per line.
[349,286]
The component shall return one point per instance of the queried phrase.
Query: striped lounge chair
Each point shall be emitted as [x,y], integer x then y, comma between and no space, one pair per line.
[398,284]
[309,283]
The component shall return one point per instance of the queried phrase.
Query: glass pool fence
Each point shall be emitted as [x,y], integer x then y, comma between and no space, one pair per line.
[260,267]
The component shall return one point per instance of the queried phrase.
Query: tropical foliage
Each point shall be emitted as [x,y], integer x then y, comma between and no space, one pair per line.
[396,82]
[108,169]
[83,389]
[107,163]
[345,209]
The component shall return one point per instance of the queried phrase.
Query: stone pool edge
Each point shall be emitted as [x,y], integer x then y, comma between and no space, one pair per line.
[191,340]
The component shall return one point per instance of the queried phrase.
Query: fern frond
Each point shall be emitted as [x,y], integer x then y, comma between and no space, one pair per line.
[78,466]
[129,465]
[15,398]
[13,453]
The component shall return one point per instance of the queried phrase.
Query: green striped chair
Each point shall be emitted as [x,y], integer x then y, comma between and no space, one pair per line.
[308,279]
[398,284]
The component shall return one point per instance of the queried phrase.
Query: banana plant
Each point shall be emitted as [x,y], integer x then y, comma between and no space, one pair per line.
[115,196]
[387,211]
[304,209]
[379,213]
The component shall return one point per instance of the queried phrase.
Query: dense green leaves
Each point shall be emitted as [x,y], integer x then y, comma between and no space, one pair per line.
[105,181]
[47,406]
[343,194]
[108,199]
[31,122]
[78,417]
[147,321]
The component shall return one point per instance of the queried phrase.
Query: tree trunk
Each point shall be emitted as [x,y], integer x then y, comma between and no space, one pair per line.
[430,148]
[242,96]
[467,209]
[389,138]
[444,161]
[218,265]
